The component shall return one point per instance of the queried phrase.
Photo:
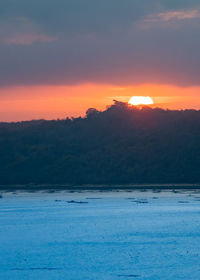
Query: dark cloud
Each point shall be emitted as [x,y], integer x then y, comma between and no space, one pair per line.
[108,41]
[86,15]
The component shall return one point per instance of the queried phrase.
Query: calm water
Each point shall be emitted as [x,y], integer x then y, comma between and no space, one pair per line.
[115,235]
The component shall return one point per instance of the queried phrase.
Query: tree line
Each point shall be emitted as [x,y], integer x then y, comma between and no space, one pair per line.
[121,145]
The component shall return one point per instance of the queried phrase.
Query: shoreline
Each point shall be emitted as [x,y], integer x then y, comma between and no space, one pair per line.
[59,187]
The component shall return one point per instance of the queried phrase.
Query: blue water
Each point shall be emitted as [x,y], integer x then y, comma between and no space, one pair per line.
[116,235]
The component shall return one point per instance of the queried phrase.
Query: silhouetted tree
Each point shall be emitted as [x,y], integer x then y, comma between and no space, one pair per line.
[91,112]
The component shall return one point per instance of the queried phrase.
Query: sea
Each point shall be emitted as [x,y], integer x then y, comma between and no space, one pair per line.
[100,235]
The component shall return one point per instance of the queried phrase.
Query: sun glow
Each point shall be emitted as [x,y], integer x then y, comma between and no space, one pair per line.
[141,100]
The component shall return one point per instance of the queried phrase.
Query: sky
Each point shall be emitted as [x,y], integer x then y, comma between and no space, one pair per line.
[60,57]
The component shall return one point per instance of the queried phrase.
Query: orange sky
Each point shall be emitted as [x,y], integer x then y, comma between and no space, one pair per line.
[52,102]
[86,55]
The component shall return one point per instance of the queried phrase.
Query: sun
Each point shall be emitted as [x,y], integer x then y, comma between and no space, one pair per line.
[141,100]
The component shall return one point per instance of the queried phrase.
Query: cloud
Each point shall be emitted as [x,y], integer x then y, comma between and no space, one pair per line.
[21,31]
[173,16]
[88,16]
[67,42]
[180,15]
[26,39]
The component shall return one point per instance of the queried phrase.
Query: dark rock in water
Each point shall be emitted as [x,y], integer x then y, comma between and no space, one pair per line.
[58,200]
[71,201]
[175,191]
[183,201]
[141,201]
[78,202]
[1,196]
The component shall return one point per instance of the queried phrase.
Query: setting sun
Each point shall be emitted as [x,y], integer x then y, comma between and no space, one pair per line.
[141,100]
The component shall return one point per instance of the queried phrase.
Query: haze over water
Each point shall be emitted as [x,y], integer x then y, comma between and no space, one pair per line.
[100,235]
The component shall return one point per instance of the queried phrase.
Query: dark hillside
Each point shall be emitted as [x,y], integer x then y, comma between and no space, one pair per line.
[120,145]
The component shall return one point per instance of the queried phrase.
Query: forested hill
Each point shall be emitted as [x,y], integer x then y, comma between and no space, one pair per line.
[117,146]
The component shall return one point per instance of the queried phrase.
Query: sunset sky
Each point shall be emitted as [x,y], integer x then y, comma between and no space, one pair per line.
[59,57]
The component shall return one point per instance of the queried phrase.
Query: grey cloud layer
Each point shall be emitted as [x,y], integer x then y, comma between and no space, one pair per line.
[112,41]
